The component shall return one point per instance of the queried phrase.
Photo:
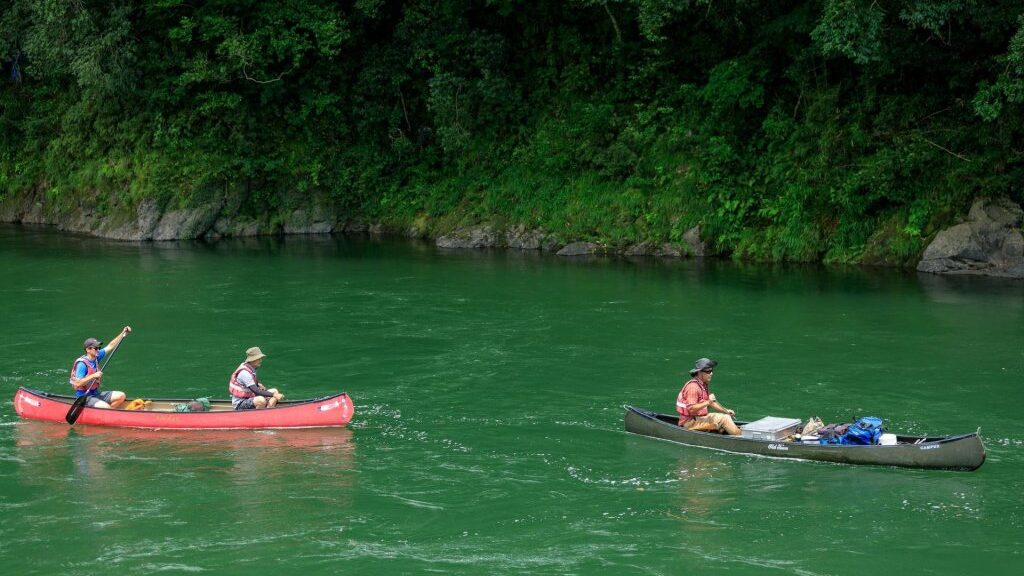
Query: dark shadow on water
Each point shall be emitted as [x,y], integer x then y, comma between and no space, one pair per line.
[47,242]
[320,245]
[965,289]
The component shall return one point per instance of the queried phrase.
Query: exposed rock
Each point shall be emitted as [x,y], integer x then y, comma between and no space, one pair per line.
[479,237]
[10,209]
[694,244]
[141,227]
[668,251]
[355,227]
[640,249]
[303,222]
[988,243]
[665,250]
[551,244]
[521,238]
[186,223]
[417,230]
[579,249]
[237,226]
[78,222]
[148,213]
[33,212]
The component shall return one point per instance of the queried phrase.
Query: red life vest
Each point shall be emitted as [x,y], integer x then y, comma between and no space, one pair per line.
[90,367]
[235,388]
[684,413]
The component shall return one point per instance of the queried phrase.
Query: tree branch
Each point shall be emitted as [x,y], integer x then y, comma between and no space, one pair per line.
[251,79]
[946,150]
[405,111]
[615,23]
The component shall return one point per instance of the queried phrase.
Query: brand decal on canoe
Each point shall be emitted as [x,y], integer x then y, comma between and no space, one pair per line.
[330,406]
[782,447]
[932,447]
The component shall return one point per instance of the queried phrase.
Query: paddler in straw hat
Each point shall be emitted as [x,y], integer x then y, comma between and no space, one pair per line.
[245,388]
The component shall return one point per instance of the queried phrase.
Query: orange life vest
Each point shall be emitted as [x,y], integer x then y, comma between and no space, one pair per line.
[684,412]
[90,367]
[235,388]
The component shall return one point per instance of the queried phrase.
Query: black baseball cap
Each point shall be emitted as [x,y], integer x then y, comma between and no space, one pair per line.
[703,365]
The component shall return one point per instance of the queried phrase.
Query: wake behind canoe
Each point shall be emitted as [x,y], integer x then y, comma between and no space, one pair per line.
[958,452]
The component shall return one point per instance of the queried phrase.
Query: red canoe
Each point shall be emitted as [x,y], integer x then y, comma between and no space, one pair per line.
[334,410]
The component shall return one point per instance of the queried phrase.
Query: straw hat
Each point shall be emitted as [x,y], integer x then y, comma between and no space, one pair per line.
[253,354]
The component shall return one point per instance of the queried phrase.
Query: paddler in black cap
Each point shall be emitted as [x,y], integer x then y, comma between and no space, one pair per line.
[86,374]
[694,399]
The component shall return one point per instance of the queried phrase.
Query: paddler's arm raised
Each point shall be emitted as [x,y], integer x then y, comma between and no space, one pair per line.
[117,340]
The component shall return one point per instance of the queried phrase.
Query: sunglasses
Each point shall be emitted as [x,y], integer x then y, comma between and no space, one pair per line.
[708,371]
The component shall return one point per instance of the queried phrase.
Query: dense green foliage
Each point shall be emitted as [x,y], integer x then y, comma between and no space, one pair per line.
[843,130]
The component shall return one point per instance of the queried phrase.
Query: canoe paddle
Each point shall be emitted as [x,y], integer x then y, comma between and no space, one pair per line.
[79,404]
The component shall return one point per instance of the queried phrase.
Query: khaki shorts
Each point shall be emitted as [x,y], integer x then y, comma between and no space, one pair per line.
[715,422]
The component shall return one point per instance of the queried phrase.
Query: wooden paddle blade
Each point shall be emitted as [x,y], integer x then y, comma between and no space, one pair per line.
[76,409]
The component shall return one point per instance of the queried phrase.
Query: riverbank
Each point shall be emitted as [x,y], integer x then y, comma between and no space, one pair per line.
[988,241]
[147,220]
[764,131]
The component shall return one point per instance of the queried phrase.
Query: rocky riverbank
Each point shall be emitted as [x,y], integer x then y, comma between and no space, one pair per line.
[147,221]
[989,242]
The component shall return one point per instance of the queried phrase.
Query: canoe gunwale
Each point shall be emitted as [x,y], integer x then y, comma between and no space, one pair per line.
[68,399]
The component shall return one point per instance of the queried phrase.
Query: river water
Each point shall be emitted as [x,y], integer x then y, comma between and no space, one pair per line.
[488,434]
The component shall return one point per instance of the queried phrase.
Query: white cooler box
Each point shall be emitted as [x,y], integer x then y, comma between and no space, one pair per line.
[770,428]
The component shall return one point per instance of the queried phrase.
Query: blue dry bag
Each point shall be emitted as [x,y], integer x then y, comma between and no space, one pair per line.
[866,430]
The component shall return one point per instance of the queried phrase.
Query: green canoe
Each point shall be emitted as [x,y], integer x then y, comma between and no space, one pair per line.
[960,452]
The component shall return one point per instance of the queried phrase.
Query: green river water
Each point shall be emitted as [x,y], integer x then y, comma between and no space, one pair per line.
[488,435]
